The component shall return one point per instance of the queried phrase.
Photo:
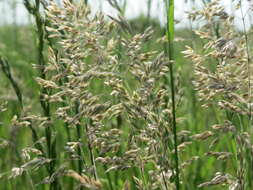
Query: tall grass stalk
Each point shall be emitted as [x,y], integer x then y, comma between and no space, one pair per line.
[51,144]
[171,55]
[249,153]
[248,60]
[5,66]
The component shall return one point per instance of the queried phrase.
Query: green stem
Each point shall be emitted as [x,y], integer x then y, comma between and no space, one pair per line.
[7,72]
[248,156]
[79,151]
[92,160]
[170,37]
[51,143]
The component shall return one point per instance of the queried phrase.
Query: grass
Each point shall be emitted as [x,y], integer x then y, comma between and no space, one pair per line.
[84,108]
[170,37]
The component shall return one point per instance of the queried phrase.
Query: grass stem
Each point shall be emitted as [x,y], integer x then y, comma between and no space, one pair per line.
[170,37]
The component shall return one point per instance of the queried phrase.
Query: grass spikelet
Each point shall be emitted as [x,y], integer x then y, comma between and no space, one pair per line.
[84,180]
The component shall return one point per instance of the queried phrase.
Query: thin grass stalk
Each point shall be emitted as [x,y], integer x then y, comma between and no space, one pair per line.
[7,72]
[89,122]
[41,62]
[248,62]
[61,81]
[51,143]
[81,161]
[165,183]
[193,92]
[121,10]
[109,178]
[5,66]
[250,160]
[36,139]
[143,178]
[51,45]
[79,151]
[66,125]
[171,55]
[45,105]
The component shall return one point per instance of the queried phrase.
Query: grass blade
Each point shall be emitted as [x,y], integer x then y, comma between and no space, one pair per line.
[170,51]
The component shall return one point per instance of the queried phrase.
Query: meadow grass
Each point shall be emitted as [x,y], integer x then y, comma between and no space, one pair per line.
[94,103]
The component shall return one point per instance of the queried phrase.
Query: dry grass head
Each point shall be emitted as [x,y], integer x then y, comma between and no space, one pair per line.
[90,86]
[223,79]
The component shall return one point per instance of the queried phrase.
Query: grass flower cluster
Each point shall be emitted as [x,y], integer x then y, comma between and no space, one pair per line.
[222,79]
[112,105]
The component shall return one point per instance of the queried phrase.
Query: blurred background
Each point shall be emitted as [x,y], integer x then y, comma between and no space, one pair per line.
[14,12]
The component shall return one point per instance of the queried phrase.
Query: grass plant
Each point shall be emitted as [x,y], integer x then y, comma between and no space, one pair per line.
[102,102]
[170,51]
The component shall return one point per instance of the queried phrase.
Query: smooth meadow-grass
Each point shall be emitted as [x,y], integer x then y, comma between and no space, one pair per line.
[80,49]
[223,81]
[111,109]
[73,147]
